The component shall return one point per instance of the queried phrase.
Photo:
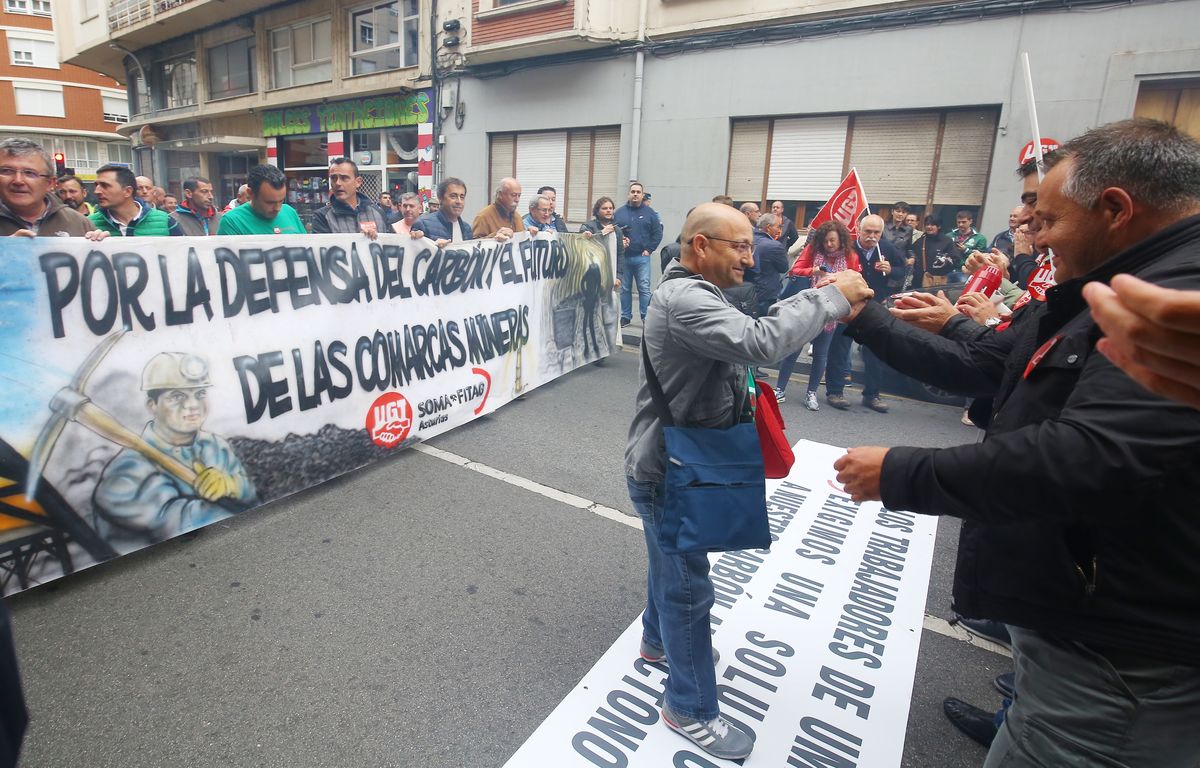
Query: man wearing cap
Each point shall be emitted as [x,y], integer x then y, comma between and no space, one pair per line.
[136,502]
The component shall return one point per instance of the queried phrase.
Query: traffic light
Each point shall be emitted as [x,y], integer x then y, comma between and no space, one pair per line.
[60,163]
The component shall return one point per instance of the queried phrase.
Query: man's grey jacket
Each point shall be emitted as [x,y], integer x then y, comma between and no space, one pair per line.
[700,347]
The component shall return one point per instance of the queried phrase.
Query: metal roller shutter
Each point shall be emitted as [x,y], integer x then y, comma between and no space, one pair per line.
[501,161]
[747,159]
[541,161]
[573,204]
[606,167]
[1187,114]
[806,158]
[893,154]
[1174,102]
[965,158]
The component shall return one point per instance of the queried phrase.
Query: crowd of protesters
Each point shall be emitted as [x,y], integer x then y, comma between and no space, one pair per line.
[1084,366]
[894,255]
[897,257]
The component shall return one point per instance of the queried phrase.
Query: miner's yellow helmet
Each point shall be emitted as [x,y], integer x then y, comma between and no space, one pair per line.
[175,370]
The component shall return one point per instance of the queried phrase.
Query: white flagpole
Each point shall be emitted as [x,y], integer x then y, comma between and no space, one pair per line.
[1033,120]
[866,205]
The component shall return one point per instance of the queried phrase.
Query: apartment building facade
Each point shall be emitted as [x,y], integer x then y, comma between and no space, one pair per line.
[762,101]
[65,108]
[217,86]
[777,100]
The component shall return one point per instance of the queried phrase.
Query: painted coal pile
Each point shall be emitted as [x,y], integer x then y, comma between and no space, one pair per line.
[301,461]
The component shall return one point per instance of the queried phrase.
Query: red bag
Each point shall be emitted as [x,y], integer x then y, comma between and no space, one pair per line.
[776,450]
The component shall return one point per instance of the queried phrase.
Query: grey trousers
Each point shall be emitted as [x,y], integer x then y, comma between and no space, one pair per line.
[1074,707]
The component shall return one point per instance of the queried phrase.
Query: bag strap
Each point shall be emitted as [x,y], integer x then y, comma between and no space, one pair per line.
[656,391]
[749,394]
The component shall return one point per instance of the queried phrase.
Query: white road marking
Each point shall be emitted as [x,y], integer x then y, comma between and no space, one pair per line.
[569,499]
[931,623]
[943,627]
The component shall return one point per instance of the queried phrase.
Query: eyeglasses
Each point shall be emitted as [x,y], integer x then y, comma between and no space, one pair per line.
[24,173]
[737,245]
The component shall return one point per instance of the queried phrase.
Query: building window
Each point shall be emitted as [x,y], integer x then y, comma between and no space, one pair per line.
[136,92]
[494,5]
[231,69]
[300,54]
[121,154]
[29,52]
[383,37]
[116,108]
[44,101]
[28,7]
[581,165]
[177,79]
[82,154]
[89,9]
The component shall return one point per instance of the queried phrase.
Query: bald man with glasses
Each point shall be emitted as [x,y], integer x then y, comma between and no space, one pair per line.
[699,347]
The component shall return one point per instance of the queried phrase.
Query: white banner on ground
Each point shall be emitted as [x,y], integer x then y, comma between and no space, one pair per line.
[818,640]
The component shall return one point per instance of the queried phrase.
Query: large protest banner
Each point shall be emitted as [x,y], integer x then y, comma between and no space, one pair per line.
[156,385]
[818,640]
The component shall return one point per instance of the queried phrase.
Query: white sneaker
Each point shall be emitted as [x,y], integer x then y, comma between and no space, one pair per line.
[810,401]
[780,396]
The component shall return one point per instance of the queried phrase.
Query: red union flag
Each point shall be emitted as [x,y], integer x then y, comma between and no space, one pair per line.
[1028,153]
[847,205]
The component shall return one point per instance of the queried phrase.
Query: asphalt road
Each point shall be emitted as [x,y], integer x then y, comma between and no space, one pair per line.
[413,613]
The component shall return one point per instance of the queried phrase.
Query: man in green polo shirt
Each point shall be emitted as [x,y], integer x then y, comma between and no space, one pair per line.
[266,213]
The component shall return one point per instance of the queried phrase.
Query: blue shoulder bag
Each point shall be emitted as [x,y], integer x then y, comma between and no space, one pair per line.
[715,485]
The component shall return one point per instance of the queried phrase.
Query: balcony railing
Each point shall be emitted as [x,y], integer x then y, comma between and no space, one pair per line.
[127,13]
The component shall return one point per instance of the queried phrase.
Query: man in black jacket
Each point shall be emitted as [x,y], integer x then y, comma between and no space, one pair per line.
[348,212]
[1091,557]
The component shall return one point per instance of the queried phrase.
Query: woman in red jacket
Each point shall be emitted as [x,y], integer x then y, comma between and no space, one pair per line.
[829,250]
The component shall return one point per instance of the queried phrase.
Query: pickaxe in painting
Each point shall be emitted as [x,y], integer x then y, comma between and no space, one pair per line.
[71,404]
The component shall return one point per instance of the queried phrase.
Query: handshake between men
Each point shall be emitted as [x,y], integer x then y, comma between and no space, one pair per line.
[853,287]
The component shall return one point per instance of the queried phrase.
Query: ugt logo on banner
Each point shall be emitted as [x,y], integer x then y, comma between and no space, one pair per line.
[846,206]
[389,420]
[848,203]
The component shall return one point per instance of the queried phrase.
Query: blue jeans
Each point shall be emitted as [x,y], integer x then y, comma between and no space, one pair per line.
[840,365]
[637,269]
[679,597]
[819,356]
